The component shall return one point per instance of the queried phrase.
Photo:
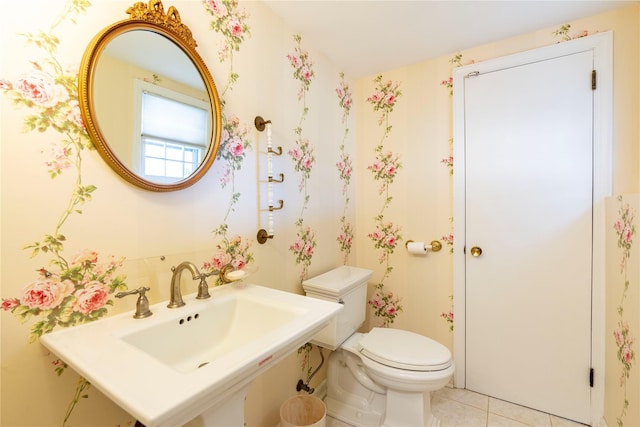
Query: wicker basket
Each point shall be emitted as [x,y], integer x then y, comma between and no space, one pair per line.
[303,410]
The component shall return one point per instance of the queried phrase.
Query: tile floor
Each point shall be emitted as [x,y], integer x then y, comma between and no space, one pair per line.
[463,408]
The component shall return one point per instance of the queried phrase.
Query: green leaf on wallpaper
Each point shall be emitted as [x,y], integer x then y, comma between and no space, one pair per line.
[50,243]
[23,312]
[30,123]
[117,284]
[84,193]
[42,40]
[60,369]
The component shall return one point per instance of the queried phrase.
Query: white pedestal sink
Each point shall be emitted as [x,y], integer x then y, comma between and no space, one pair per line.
[191,365]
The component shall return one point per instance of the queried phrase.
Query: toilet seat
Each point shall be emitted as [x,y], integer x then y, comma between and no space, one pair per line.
[404,350]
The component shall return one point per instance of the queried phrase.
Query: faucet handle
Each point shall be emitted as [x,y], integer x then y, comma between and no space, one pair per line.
[203,287]
[142,305]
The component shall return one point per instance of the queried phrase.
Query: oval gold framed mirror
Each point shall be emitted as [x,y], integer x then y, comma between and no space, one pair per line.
[148,100]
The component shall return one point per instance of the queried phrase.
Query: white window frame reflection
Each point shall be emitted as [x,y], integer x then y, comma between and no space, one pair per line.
[163,159]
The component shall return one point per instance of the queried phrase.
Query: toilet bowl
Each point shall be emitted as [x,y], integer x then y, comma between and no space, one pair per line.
[381,378]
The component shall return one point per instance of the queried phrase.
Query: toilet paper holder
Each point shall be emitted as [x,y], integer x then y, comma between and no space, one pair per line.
[435,245]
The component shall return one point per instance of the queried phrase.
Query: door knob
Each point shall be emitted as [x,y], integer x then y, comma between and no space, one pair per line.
[476,251]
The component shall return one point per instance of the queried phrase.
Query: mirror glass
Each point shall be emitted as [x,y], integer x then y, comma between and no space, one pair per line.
[150,104]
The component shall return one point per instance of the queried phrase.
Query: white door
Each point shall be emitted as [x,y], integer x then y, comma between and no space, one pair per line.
[528,179]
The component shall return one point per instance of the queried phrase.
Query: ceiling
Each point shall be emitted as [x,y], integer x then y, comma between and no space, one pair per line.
[366,37]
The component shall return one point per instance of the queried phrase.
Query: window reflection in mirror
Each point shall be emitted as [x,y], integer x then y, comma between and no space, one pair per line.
[153,108]
[172,133]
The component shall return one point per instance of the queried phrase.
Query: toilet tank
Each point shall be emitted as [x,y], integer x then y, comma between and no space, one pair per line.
[345,285]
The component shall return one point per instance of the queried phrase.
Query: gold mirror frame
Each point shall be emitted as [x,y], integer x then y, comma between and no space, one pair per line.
[152,18]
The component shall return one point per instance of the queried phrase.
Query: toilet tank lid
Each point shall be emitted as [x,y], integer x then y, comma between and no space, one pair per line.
[338,281]
[405,350]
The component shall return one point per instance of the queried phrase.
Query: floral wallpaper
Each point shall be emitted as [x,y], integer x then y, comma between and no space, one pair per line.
[69,289]
[625,230]
[230,22]
[303,158]
[78,288]
[70,286]
[345,169]
[384,169]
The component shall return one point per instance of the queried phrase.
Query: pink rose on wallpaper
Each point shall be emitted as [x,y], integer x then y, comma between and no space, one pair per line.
[390,99]
[93,297]
[392,310]
[307,162]
[295,153]
[619,338]
[297,246]
[218,8]
[61,160]
[627,234]
[46,294]
[239,263]
[308,249]
[345,97]
[295,60]
[85,257]
[619,226]
[385,304]
[345,240]
[306,73]
[235,27]
[377,235]
[376,302]
[391,241]
[375,97]
[391,170]
[10,304]
[447,82]
[345,168]
[226,177]
[5,84]
[219,260]
[74,116]
[236,147]
[41,89]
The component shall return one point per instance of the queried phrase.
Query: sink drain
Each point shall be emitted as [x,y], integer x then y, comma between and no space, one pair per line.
[202,364]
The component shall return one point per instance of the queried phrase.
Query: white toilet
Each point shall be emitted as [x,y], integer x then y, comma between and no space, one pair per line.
[381,378]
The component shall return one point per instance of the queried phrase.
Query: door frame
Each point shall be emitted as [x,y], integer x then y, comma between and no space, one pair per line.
[602,46]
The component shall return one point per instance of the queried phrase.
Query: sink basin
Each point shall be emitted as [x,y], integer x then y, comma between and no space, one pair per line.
[205,334]
[193,361]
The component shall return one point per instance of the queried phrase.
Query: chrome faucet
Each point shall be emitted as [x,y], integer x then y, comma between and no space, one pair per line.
[175,294]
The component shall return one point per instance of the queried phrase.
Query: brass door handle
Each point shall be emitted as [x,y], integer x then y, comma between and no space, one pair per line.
[476,251]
